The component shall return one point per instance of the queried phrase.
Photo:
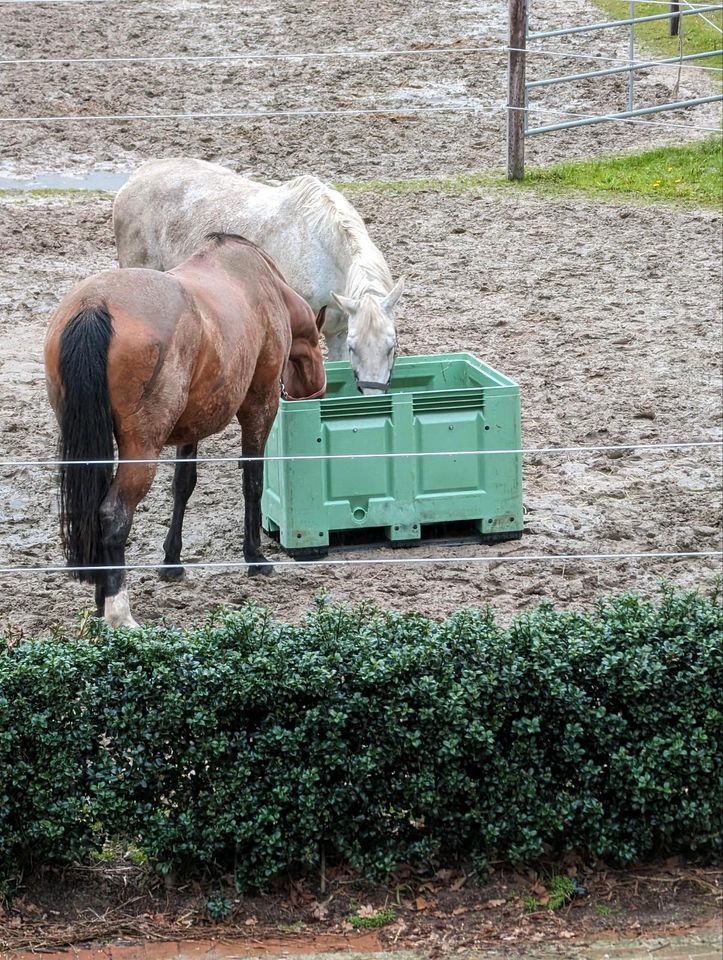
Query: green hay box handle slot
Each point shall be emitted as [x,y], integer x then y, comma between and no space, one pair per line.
[445,403]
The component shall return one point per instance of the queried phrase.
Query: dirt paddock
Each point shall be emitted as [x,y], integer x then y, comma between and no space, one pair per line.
[607,314]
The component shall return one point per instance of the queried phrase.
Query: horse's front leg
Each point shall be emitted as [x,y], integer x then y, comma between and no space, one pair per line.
[255,428]
[184,483]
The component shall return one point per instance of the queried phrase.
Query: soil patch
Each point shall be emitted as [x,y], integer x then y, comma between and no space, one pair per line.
[434,911]
[383,144]
[607,315]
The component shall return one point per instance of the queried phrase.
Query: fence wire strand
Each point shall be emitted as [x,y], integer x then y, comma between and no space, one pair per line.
[394,111]
[486,110]
[253,56]
[381,561]
[167,461]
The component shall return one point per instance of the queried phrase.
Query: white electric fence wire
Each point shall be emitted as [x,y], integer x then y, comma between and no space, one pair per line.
[253,56]
[607,448]
[252,114]
[392,111]
[27,3]
[691,6]
[379,561]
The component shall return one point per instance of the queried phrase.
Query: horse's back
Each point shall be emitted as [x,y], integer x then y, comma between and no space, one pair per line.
[166,209]
[143,303]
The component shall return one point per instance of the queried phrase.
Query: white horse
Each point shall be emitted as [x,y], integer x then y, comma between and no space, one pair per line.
[316,237]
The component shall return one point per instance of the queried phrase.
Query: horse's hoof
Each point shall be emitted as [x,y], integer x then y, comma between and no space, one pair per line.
[171,574]
[264,569]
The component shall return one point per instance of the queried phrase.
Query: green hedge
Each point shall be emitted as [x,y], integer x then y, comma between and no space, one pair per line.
[246,744]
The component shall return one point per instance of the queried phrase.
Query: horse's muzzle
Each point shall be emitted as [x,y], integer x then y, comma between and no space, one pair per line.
[285,395]
[370,385]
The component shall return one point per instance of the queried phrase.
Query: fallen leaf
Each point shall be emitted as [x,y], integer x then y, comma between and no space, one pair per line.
[319,911]
[421,904]
[27,907]
[566,934]
[491,904]
[458,911]
[459,883]
[251,922]
[367,911]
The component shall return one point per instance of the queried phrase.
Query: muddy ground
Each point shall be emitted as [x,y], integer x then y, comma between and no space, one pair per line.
[340,147]
[437,912]
[606,314]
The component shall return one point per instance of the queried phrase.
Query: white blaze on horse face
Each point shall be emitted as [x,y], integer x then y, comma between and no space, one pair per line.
[371,357]
[117,611]
[371,338]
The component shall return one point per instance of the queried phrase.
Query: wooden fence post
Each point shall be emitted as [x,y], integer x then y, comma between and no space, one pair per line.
[516,115]
[674,21]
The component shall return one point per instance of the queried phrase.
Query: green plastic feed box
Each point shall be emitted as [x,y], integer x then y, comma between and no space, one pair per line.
[444,403]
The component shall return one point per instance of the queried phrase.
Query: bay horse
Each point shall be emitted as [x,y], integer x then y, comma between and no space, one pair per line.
[153,359]
[315,236]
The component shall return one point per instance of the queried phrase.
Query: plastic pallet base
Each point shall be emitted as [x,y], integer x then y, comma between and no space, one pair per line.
[500,537]
[374,539]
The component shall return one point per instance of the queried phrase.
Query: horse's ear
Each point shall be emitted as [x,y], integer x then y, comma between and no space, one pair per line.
[320,318]
[393,295]
[345,304]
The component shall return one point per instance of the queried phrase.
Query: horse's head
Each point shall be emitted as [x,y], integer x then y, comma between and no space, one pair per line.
[304,375]
[372,338]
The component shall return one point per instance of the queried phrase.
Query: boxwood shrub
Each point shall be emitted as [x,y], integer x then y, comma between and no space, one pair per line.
[246,744]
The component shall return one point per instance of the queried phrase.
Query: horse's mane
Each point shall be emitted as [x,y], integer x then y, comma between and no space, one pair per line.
[219,236]
[326,208]
[322,207]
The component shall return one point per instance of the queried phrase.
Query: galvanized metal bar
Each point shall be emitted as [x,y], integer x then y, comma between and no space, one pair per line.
[631,56]
[640,112]
[608,24]
[640,65]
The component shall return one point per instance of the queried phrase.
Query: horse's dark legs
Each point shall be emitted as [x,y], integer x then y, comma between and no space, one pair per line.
[100,596]
[131,483]
[255,429]
[184,482]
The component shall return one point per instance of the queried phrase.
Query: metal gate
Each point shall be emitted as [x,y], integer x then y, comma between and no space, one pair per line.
[519,88]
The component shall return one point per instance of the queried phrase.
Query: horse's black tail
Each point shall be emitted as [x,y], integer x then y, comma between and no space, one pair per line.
[86,433]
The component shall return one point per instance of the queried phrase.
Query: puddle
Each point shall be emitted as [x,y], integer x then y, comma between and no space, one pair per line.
[97,180]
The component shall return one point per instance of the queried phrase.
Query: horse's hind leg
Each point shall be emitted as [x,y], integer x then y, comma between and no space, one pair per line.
[255,428]
[130,484]
[184,482]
